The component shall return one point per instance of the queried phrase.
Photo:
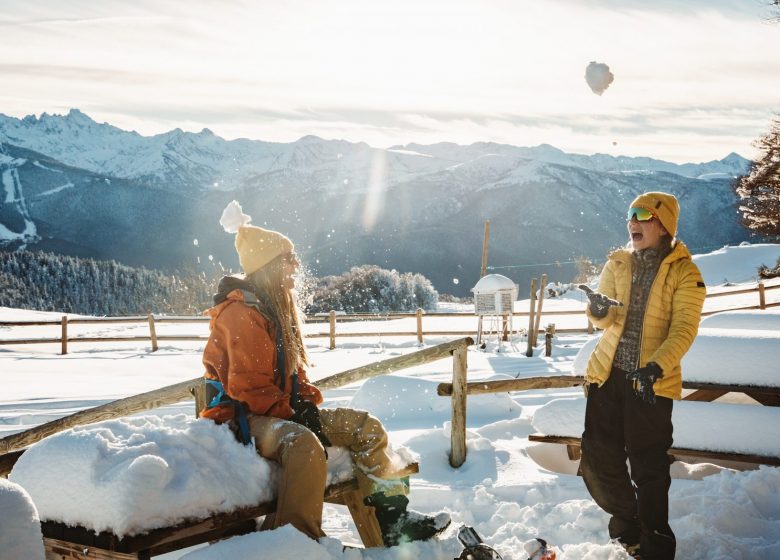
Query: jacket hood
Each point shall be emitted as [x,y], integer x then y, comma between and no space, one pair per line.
[229,283]
[234,288]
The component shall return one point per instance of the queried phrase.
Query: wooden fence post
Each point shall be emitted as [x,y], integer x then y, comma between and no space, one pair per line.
[152,332]
[530,351]
[590,327]
[539,308]
[199,393]
[549,333]
[419,326]
[458,428]
[761,296]
[64,334]
[332,329]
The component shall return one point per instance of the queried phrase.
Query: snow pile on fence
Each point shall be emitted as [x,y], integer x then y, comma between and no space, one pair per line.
[706,426]
[720,355]
[20,535]
[137,474]
[767,319]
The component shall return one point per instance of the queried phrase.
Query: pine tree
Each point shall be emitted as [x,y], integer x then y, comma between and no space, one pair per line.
[759,190]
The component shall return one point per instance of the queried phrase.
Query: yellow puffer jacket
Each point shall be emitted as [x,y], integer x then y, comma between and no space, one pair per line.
[670,323]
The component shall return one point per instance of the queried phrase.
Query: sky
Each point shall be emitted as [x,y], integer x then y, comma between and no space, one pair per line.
[692,82]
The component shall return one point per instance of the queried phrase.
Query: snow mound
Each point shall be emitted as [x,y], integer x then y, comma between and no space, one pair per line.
[736,264]
[711,426]
[720,355]
[767,319]
[137,474]
[20,531]
[407,401]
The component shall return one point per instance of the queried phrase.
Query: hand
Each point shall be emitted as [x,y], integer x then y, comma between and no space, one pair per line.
[643,379]
[308,415]
[599,303]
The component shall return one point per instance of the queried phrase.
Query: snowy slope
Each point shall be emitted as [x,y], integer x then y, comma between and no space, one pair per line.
[500,490]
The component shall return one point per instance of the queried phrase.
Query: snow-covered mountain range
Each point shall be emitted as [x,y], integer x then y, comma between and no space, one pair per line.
[76,186]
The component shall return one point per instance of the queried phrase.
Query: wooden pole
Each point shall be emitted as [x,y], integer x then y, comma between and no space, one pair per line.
[539,308]
[590,327]
[332,329]
[506,385]
[530,350]
[152,332]
[199,394]
[485,246]
[64,334]
[761,296]
[419,326]
[394,364]
[549,333]
[458,428]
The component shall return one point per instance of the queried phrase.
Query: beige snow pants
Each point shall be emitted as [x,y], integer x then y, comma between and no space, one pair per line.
[304,467]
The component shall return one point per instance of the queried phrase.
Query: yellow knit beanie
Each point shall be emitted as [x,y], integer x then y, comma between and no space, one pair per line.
[256,246]
[663,205]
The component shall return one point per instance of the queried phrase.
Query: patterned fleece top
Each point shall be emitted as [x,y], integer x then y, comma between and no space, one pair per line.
[644,267]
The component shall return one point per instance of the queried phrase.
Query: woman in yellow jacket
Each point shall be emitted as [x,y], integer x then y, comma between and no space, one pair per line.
[649,304]
[256,362]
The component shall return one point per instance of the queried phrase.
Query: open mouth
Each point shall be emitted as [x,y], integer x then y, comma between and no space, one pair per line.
[636,236]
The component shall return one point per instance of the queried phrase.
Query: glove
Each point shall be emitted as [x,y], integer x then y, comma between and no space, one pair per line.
[643,380]
[308,415]
[599,303]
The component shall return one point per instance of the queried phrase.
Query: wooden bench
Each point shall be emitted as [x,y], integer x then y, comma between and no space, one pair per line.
[734,435]
[574,450]
[64,542]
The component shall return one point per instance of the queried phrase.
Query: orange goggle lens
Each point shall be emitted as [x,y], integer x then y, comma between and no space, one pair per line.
[641,214]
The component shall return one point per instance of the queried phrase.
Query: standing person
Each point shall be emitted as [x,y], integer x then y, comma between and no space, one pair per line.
[634,374]
[256,362]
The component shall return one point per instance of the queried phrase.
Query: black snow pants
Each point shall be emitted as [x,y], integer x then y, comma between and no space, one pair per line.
[619,426]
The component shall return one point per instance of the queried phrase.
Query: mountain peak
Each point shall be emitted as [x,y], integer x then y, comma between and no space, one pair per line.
[76,116]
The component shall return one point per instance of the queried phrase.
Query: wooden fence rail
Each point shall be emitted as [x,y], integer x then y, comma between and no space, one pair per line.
[11,447]
[333,319]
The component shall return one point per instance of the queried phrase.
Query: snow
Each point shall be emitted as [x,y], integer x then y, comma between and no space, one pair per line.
[501,490]
[20,533]
[492,283]
[722,355]
[735,264]
[707,426]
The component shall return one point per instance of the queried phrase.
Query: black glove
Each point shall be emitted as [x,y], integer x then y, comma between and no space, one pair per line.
[307,415]
[643,379]
[599,303]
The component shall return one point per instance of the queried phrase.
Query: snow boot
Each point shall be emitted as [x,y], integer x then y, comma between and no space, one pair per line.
[399,524]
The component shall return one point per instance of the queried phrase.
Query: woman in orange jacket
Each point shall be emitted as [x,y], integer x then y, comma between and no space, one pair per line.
[256,361]
[649,304]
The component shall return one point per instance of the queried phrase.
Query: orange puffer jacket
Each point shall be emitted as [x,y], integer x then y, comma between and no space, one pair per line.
[241,354]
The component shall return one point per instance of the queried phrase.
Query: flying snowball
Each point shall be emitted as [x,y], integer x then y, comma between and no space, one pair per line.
[598,76]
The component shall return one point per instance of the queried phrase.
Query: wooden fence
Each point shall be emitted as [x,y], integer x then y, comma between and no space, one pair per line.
[12,447]
[333,319]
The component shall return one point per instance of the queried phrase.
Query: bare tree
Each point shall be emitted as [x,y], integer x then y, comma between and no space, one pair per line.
[759,190]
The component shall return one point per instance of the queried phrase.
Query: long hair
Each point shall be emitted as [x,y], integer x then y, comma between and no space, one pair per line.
[269,281]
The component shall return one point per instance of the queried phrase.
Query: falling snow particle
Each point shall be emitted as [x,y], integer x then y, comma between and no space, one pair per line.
[195,242]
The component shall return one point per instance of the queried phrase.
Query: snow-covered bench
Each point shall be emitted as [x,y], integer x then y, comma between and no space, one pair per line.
[715,431]
[724,359]
[139,487]
[734,352]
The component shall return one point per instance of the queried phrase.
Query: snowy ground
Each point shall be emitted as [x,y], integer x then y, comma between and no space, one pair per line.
[500,490]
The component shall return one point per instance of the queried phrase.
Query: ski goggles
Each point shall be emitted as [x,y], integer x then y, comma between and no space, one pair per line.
[641,214]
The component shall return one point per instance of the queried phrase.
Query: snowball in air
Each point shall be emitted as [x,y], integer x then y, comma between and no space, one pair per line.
[598,76]
[233,218]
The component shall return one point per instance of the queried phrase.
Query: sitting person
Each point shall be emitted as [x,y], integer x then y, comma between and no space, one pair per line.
[255,363]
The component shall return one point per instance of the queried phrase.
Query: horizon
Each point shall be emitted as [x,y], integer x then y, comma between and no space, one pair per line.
[693,83]
[393,147]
